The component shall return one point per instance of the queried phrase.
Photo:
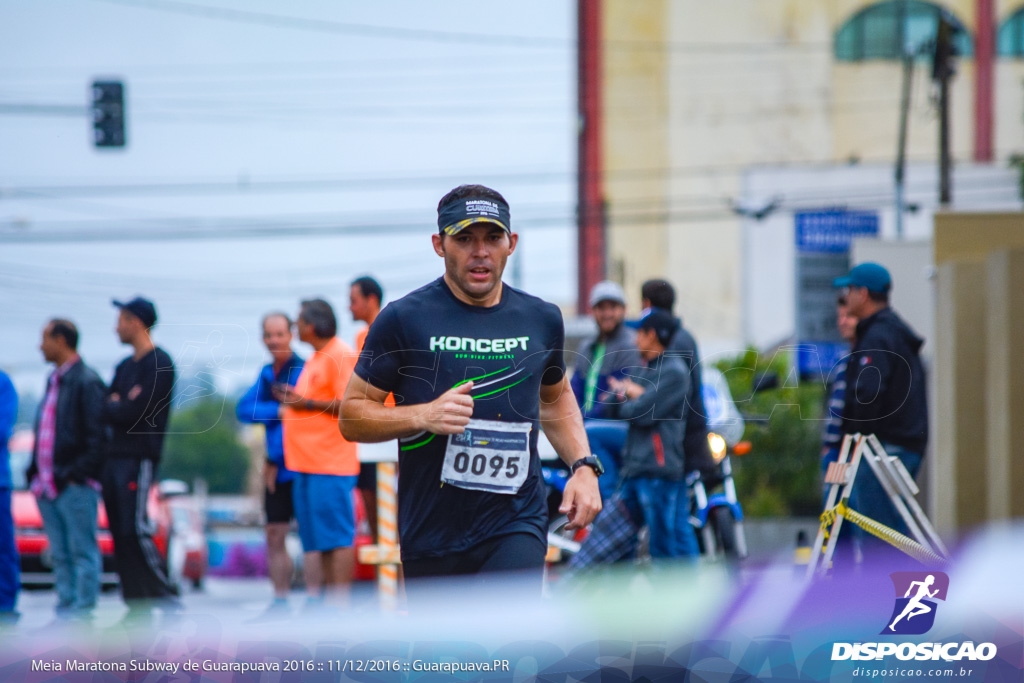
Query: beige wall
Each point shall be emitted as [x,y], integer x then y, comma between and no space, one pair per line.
[757,103]
[683,123]
[635,131]
[972,237]
[978,467]
[866,103]
[1004,380]
[958,478]
[1008,82]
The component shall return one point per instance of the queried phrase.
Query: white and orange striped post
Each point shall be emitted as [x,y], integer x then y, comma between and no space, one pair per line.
[385,554]
[387,535]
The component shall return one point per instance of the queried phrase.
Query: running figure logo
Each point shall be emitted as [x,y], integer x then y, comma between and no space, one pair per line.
[914,613]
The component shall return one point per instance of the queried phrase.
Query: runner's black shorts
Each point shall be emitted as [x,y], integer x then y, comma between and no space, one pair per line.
[510,553]
[367,477]
[507,569]
[278,504]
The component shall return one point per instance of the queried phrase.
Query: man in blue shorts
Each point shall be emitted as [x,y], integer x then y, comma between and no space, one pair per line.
[476,368]
[325,464]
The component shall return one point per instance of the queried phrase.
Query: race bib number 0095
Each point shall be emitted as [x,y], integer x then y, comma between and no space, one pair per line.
[489,456]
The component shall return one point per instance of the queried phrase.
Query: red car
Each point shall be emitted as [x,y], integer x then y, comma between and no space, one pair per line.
[189,557]
[34,546]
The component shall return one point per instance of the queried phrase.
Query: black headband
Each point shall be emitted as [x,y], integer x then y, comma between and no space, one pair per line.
[454,216]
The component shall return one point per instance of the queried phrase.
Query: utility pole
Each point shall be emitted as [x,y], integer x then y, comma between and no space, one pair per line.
[943,70]
[901,151]
[984,92]
[590,210]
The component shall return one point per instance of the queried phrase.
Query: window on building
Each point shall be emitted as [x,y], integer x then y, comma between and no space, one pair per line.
[1010,42]
[887,29]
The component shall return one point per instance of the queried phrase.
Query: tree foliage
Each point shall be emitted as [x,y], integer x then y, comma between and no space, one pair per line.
[781,474]
[202,442]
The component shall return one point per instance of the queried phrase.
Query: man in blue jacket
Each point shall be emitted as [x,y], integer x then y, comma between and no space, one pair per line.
[885,387]
[259,406]
[9,579]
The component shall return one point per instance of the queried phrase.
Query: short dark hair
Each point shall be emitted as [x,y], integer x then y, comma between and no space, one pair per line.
[660,293]
[320,315]
[879,297]
[369,287]
[463,191]
[61,327]
[275,314]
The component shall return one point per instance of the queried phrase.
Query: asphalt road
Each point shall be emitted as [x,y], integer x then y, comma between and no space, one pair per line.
[231,599]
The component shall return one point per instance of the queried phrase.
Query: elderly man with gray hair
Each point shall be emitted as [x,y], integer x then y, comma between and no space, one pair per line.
[326,465]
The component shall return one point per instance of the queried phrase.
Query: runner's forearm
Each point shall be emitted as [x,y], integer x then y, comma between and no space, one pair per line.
[367,421]
[563,425]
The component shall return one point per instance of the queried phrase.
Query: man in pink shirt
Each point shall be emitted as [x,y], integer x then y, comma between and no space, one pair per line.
[65,469]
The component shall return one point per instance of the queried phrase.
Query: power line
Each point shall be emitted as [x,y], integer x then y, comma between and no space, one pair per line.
[447,37]
[250,228]
[338,27]
[533,210]
[246,185]
[367,67]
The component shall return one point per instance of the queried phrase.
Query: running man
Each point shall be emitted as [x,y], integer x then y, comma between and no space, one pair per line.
[475,366]
[915,607]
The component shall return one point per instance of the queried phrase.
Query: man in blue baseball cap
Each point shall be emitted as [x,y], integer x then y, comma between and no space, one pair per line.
[869,276]
[885,387]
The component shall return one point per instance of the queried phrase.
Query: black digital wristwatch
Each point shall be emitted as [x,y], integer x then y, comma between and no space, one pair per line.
[590,461]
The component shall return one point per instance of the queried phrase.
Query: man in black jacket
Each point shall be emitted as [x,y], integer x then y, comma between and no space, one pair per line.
[65,469]
[885,387]
[652,399]
[137,409]
[660,294]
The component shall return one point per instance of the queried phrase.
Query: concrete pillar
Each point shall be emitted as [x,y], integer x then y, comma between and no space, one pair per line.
[959,471]
[1005,380]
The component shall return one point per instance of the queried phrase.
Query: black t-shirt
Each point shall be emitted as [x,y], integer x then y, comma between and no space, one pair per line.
[423,345]
[138,421]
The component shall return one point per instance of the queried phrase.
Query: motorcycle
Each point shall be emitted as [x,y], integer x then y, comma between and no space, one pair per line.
[717,518]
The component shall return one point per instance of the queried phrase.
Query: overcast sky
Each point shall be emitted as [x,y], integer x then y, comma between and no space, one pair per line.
[275,151]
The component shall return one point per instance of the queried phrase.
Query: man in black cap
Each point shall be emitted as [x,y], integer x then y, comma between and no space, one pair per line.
[476,368]
[653,401]
[137,408]
[660,294]
[885,387]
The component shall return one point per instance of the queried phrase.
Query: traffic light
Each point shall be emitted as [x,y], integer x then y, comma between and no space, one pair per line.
[945,49]
[108,113]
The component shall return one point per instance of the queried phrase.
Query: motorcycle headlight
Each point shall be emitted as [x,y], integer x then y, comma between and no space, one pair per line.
[717,445]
